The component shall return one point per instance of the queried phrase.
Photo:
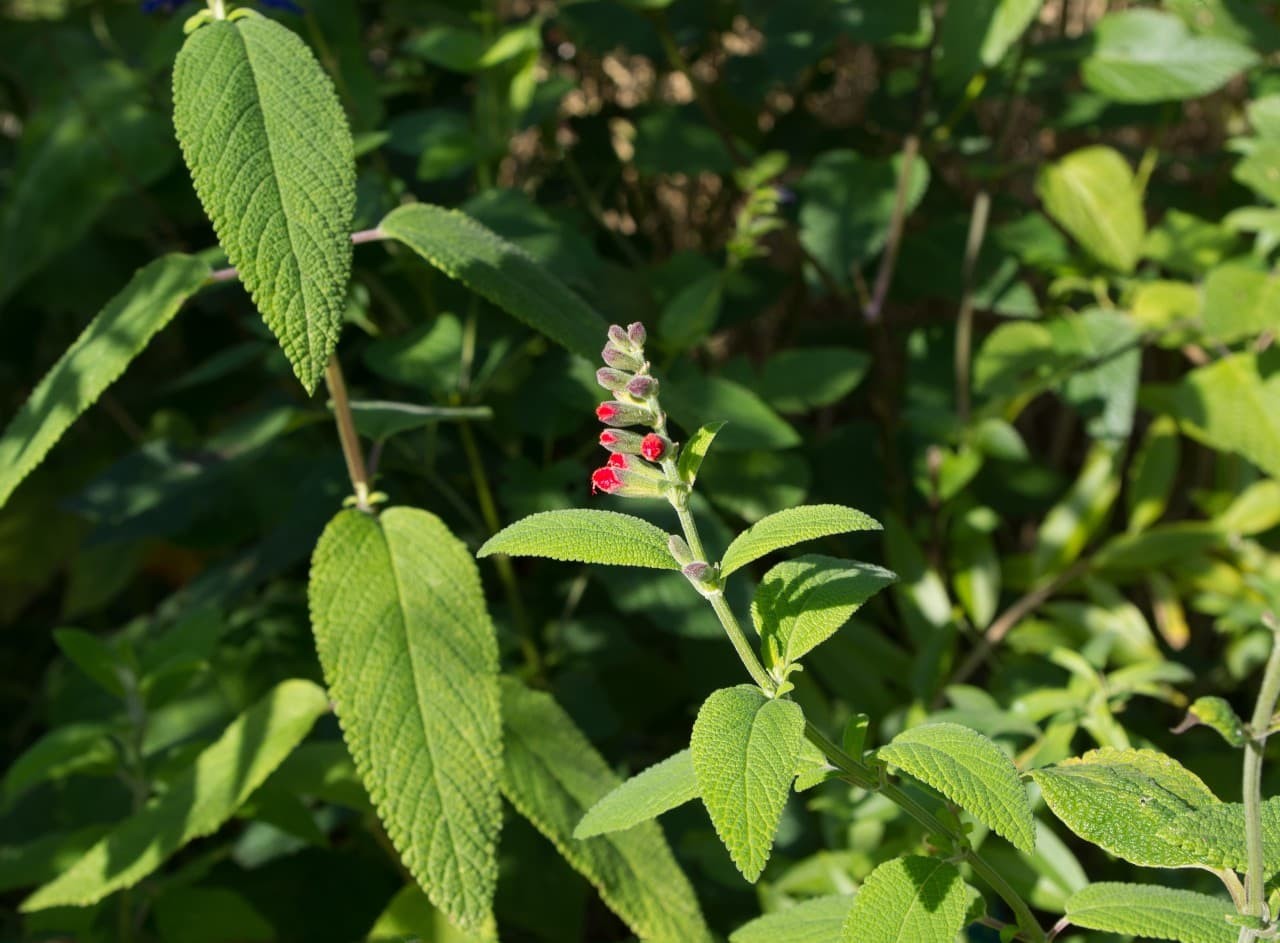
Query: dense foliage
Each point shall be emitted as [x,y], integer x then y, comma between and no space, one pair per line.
[924,587]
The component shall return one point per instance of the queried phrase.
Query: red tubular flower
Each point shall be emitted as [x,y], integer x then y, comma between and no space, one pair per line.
[621,440]
[606,480]
[606,411]
[617,460]
[615,413]
[653,447]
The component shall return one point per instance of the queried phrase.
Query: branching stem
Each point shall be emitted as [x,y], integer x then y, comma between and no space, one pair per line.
[1255,878]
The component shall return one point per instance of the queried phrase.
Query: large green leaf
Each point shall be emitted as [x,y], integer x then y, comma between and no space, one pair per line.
[1091,193]
[1151,911]
[909,900]
[789,527]
[269,150]
[802,602]
[745,747]
[644,796]
[1233,405]
[552,775]
[197,802]
[411,659]
[1120,800]
[977,34]
[498,270]
[63,180]
[846,206]
[815,921]
[1240,301]
[579,535]
[1143,56]
[94,361]
[749,423]
[972,772]
[1105,389]
[1215,834]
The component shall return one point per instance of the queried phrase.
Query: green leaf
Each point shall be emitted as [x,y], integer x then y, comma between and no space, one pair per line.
[498,271]
[411,659]
[584,536]
[552,775]
[1120,800]
[1233,405]
[789,527]
[694,399]
[109,668]
[814,921]
[1148,910]
[197,802]
[1072,522]
[63,751]
[271,156]
[94,361]
[692,314]
[975,565]
[745,748]
[1152,474]
[1104,390]
[1144,56]
[695,450]
[846,207]
[1217,714]
[1240,302]
[1257,172]
[909,900]
[979,33]
[972,772]
[1091,194]
[1214,835]
[63,181]
[799,379]
[802,602]
[644,796]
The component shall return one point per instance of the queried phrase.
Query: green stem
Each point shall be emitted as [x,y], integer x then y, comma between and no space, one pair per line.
[1255,877]
[740,642]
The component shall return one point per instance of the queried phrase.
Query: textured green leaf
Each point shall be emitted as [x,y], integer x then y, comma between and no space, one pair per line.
[745,748]
[198,801]
[815,921]
[1091,193]
[497,270]
[271,156]
[94,361]
[909,900]
[1152,474]
[64,750]
[1144,56]
[972,772]
[584,536]
[1148,910]
[1072,522]
[411,659]
[1120,800]
[1214,835]
[695,450]
[644,796]
[552,775]
[1217,714]
[1106,391]
[1233,405]
[694,399]
[802,602]
[63,181]
[789,527]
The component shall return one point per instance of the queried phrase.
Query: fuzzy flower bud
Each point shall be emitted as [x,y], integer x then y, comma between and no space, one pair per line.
[614,413]
[627,483]
[654,447]
[618,336]
[635,464]
[680,550]
[637,334]
[621,359]
[614,380]
[642,386]
[620,440]
[701,575]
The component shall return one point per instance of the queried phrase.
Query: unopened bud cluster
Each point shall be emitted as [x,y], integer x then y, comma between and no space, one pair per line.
[635,468]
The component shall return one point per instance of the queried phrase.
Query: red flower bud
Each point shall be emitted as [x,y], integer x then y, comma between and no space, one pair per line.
[653,446]
[606,480]
[614,413]
[620,440]
[617,460]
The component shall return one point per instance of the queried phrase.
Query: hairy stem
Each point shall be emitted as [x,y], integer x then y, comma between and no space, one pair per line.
[1255,877]
[741,644]
[351,452]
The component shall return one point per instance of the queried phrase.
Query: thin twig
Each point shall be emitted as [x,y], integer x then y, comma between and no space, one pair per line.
[347,434]
[964,325]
